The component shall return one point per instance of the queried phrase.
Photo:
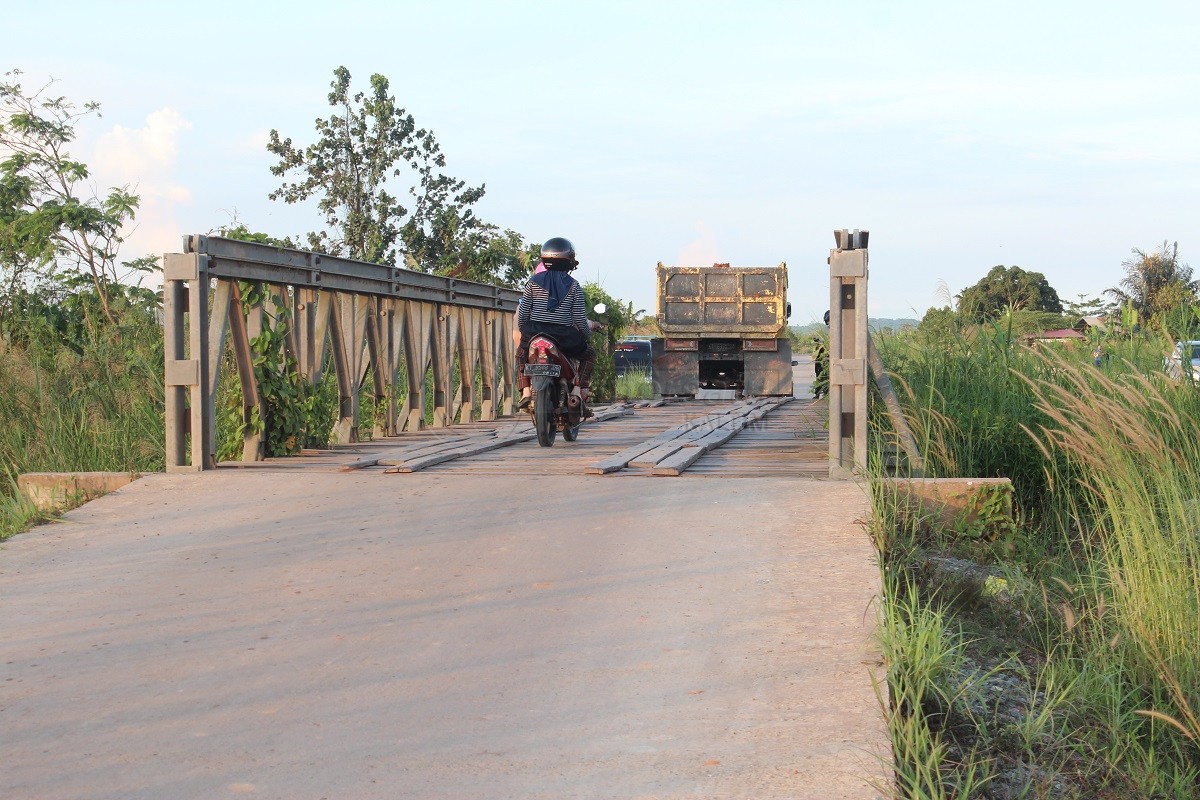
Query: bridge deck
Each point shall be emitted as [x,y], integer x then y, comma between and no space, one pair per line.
[791,440]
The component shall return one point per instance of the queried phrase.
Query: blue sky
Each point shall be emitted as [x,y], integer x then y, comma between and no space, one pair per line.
[1052,136]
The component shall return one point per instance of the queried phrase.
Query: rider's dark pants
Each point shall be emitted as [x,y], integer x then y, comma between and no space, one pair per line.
[572,342]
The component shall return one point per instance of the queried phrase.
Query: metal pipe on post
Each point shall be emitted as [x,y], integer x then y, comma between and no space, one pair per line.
[848,354]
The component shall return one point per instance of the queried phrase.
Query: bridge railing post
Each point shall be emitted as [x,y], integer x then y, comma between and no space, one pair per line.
[190,414]
[848,354]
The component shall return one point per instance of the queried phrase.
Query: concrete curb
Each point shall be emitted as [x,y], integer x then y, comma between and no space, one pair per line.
[56,491]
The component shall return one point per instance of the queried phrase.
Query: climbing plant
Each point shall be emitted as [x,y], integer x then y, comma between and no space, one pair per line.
[293,414]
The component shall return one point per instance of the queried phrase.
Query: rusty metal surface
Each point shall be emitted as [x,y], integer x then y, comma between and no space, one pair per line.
[722,301]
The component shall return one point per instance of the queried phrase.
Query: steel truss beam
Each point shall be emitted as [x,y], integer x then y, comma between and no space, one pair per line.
[403,328]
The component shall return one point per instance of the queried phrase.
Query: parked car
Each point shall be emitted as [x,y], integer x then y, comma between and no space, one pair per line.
[632,354]
[1184,361]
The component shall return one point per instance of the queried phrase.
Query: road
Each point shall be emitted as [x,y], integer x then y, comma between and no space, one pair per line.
[325,635]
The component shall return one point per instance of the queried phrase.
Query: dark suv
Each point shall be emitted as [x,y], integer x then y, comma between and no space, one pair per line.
[632,354]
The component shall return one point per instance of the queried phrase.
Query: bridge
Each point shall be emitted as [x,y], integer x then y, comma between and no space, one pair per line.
[677,604]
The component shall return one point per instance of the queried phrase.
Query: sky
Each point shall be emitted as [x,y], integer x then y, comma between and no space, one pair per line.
[1054,136]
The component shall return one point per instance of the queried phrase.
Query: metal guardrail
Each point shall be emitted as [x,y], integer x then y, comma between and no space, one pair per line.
[355,316]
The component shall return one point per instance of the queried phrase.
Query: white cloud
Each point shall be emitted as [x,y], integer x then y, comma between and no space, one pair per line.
[701,252]
[146,159]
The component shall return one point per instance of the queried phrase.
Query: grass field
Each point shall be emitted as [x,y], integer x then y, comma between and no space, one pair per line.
[1079,676]
[92,403]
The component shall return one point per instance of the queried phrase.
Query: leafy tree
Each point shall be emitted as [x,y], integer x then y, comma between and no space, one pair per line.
[1007,288]
[236,229]
[938,324]
[484,254]
[368,141]
[1087,306]
[51,224]
[618,317]
[1156,284]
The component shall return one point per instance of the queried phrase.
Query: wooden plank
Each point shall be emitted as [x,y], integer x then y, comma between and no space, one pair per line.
[678,462]
[720,436]
[638,455]
[675,465]
[401,453]
[619,461]
[605,414]
[439,458]
[652,457]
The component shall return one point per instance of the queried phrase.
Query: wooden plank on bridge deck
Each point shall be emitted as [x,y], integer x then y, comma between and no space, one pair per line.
[403,453]
[675,464]
[626,457]
[672,443]
[482,444]
[418,464]
[652,457]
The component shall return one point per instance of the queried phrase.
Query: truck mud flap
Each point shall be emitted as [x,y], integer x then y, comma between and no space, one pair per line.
[769,373]
[675,372]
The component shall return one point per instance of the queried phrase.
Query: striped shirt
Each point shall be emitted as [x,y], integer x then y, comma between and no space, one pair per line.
[569,312]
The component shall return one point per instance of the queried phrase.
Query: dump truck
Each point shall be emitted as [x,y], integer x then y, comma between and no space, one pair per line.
[723,328]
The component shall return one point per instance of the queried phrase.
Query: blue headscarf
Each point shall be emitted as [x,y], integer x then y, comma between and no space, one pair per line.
[557,284]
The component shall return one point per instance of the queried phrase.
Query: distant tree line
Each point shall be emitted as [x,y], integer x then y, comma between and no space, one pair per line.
[1157,293]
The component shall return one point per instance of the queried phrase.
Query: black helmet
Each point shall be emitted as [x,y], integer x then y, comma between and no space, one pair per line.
[559,251]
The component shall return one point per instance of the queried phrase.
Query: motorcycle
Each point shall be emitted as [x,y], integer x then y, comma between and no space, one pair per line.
[552,376]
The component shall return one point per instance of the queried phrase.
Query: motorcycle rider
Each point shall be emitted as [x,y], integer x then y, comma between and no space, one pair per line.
[553,304]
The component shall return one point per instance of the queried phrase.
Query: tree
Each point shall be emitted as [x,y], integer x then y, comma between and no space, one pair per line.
[50,222]
[1156,284]
[1004,289]
[618,317]
[1089,307]
[938,327]
[365,143]
[483,254]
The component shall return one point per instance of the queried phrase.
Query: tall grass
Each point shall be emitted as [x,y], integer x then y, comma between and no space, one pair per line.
[634,384]
[1136,442]
[90,403]
[1106,465]
[922,662]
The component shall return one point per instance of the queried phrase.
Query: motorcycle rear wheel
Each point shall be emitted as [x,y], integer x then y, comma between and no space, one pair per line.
[571,432]
[543,409]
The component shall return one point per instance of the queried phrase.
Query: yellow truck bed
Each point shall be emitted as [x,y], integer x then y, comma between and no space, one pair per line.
[722,301]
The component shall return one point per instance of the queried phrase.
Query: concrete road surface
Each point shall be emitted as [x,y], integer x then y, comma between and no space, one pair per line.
[369,636]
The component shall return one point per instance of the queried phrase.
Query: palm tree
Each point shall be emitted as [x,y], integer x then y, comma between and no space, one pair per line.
[1155,283]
